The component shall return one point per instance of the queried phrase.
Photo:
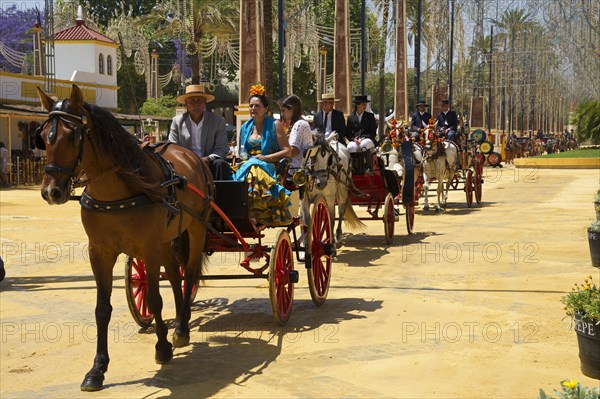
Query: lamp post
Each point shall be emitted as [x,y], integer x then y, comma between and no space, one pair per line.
[322,83]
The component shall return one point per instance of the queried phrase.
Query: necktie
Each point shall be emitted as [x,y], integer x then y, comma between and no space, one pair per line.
[325,122]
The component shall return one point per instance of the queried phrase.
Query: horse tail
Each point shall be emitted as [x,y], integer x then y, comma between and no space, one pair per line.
[351,218]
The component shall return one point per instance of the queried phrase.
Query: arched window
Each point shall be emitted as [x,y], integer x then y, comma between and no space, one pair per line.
[101,64]
[108,65]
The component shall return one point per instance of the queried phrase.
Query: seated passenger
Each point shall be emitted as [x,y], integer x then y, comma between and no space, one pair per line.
[264,140]
[361,127]
[202,132]
[300,135]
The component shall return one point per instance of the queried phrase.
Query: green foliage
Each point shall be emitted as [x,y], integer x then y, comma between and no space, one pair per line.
[595,227]
[586,119]
[584,299]
[162,106]
[372,88]
[132,92]
[571,389]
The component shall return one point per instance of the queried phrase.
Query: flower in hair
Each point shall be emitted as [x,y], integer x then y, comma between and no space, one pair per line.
[257,90]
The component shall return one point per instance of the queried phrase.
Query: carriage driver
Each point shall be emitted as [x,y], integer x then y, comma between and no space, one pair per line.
[202,132]
[447,122]
[419,119]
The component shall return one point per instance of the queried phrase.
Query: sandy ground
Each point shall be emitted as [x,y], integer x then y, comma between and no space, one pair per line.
[466,307]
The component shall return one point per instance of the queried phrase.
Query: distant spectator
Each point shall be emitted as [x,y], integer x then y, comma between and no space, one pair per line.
[4,165]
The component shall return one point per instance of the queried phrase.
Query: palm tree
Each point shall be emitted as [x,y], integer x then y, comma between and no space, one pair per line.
[192,20]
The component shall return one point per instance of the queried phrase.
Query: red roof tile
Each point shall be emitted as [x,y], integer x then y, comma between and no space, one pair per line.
[81,32]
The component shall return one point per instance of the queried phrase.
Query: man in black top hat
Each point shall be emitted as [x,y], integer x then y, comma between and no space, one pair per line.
[361,128]
[420,119]
[447,121]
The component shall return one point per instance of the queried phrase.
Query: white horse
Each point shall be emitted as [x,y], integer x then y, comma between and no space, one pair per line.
[441,167]
[329,176]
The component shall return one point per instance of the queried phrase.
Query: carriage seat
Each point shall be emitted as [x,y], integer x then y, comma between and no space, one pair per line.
[231,197]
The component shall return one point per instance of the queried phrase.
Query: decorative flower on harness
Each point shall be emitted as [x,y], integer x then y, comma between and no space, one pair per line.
[257,90]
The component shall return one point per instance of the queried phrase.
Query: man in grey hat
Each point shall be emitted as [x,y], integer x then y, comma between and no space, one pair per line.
[419,119]
[202,132]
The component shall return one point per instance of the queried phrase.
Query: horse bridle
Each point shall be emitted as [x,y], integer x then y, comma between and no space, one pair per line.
[79,133]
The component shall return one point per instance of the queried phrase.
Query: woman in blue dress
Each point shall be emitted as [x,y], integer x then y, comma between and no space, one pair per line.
[264,141]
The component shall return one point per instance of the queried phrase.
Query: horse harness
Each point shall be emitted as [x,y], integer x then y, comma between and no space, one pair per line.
[172,180]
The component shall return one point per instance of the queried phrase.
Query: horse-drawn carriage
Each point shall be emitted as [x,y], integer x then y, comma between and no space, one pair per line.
[460,166]
[233,229]
[385,178]
[160,207]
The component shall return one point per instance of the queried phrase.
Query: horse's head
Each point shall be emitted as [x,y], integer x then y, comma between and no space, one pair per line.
[61,135]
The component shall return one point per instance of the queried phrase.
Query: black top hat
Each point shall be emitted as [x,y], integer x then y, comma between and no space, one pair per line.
[360,99]
[446,102]
[421,102]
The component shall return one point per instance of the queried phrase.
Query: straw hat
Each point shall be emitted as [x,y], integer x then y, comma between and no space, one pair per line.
[328,97]
[195,91]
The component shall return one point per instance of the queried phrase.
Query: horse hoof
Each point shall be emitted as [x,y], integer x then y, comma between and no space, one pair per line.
[163,356]
[180,340]
[92,382]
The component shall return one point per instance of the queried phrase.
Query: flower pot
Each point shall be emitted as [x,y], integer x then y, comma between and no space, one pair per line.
[588,338]
[594,240]
[597,208]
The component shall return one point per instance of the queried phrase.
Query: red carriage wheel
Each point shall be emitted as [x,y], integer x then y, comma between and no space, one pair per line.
[478,182]
[183,285]
[136,289]
[410,217]
[469,187]
[389,218]
[281,278]
[319,245]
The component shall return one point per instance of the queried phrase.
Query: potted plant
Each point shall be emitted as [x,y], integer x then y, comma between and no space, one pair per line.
[571,389]
[583,305]
[597,205]
[593,231]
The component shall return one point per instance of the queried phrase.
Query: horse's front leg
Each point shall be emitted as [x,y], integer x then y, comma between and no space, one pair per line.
[102,266]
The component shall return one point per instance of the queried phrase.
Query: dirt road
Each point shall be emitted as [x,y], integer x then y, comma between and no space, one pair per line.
[469,306]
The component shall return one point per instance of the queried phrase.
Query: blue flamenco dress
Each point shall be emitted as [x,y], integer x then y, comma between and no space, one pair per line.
[269,201]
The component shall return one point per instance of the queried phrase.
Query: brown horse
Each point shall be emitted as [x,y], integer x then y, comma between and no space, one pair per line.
[126,209]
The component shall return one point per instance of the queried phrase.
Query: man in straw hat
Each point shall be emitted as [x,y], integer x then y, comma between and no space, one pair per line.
[361,129]
[202,132]
[328,119]
[419,119]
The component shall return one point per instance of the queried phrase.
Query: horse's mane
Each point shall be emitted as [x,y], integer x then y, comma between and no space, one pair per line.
[111,140]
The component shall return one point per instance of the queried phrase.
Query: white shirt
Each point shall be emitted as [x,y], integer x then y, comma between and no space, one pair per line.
[328,124]
[301,138]
[197,136]
[359,117]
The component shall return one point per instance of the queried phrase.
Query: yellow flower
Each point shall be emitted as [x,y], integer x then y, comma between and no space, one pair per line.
[257,90]
[571,384]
